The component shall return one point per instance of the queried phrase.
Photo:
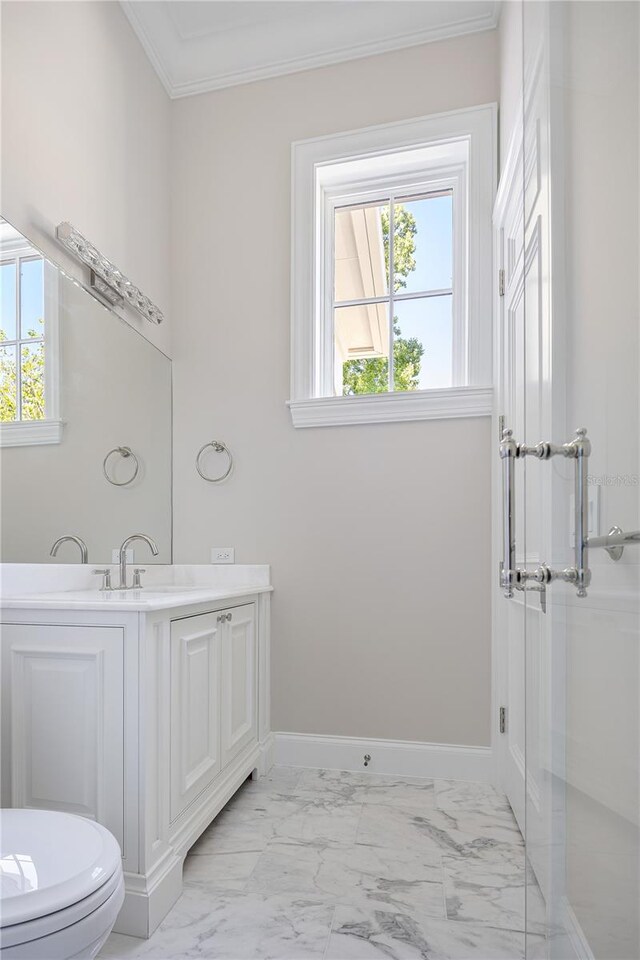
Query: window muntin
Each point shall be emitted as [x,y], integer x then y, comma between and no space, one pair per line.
[389,257]
[22,339]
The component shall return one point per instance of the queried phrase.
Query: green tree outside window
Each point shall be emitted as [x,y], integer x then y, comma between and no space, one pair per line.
[371,374]
[33,407]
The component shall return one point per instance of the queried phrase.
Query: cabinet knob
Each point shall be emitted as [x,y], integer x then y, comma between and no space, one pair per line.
[221,618]
[228,616]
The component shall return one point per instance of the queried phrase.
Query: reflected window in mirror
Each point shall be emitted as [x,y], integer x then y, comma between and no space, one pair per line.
[114,391]
[29,344]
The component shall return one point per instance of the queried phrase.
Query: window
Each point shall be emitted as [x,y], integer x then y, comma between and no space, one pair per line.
[393,294]
[392,271]
[28,344]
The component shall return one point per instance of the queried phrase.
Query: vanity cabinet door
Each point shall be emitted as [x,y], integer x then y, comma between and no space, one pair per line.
[239,691]
[195,707]
[63,705]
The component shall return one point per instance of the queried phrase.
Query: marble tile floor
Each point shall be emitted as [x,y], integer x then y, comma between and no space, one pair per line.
[332,865]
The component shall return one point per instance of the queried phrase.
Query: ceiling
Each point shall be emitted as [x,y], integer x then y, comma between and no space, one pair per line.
[201,45]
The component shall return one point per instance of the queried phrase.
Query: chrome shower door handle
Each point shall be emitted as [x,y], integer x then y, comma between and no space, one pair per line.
[513,578]
[582,449]
[508,455]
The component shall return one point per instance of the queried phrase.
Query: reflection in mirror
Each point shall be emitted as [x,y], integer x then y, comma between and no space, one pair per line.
[76,382]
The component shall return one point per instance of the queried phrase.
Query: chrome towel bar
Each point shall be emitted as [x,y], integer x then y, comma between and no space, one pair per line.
[615,541]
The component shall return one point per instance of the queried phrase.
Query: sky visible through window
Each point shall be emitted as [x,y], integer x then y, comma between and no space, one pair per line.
[8,300]
[22,394]
[31,299]
[31,295]
[429,320]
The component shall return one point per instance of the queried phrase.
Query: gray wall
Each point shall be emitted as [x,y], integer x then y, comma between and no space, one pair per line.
[373,633]
[378,536]
[510,40]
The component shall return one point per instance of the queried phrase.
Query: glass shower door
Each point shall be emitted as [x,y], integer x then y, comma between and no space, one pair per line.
[581,214]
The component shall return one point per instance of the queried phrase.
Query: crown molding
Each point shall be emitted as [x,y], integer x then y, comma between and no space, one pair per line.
[356,51]
[131,13]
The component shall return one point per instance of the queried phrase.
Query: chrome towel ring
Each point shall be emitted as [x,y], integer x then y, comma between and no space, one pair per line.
[124,452]
[219,447]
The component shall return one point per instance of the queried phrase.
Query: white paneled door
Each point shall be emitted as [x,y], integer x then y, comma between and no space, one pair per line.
[524,405]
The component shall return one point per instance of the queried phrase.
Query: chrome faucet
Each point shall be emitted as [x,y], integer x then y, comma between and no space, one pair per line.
[123,560]
[84,553]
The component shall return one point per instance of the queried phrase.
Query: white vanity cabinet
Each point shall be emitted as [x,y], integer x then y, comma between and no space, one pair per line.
[196,708]
[147,720]
[63,720]
[239,719]
[213,697]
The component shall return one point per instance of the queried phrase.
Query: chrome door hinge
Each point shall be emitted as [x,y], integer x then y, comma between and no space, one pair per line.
[501,283]
[503,720]
[500,426]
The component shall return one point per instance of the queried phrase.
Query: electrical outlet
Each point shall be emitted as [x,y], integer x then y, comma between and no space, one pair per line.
[223,555]
[115,556]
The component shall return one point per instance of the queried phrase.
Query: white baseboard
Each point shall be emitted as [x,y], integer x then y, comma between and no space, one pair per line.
[401,758]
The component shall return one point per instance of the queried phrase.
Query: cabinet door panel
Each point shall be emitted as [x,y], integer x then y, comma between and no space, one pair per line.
[195,708]
[239,723]
[67,724]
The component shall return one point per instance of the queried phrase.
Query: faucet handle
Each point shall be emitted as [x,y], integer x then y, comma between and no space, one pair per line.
[136,577]
[106,578]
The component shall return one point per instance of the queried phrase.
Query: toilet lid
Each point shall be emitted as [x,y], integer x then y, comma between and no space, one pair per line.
[49,861]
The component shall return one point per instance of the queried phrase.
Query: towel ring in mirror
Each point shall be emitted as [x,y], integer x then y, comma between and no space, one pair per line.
[219,447]
[124,453]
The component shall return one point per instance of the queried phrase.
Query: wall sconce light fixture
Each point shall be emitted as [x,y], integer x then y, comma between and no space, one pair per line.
[106,279]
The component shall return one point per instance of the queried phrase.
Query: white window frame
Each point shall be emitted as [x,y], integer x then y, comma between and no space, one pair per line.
[462,155]
[22,433]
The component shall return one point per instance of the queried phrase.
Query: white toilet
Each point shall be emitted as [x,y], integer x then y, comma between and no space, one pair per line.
[61,885]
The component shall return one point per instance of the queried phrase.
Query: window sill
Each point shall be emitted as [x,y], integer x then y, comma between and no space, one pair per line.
[389,407]
[29,433]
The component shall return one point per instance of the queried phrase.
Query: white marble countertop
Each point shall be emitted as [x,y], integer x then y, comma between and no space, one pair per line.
[71,586]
